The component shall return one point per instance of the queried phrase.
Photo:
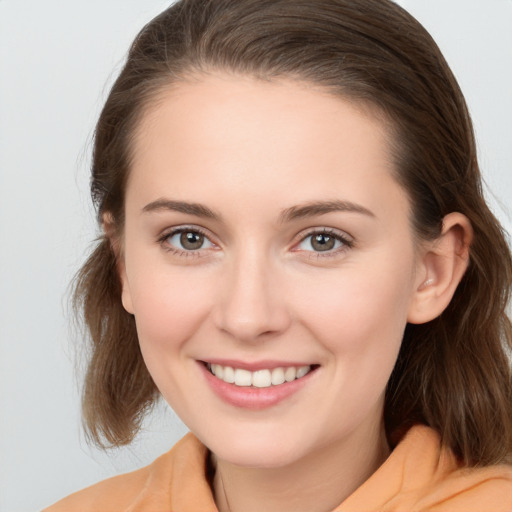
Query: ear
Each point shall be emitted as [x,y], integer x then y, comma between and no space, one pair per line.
[441,268]
[111,234]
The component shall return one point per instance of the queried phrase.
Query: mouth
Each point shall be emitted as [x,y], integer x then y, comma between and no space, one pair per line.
[261,378]
[257,386]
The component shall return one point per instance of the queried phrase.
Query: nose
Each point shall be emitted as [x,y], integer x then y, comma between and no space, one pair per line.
[252,305]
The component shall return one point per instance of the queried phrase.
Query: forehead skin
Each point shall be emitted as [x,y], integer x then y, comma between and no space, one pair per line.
[208,121]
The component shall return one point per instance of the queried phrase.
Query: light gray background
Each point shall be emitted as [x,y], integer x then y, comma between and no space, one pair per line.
[57,59]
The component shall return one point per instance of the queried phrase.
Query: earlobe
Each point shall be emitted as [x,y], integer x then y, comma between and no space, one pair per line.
[443,264]
[108,226]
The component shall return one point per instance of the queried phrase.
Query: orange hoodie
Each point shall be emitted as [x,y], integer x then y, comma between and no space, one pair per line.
[419,475]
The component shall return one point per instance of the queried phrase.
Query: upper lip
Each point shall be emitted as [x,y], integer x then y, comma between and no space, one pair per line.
[256,365]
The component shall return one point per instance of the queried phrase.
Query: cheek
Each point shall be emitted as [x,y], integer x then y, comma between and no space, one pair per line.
[169,307]
[359,320]
[360,310]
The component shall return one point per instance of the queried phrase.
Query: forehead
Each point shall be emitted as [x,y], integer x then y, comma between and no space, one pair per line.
[244,136]
[281,107]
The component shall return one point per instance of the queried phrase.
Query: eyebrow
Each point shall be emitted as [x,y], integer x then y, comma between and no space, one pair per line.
[321,208]
[293,213]
[195,209]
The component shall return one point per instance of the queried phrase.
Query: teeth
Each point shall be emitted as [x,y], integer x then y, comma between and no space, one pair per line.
[303,370]
[277,376]
[229,375]
[259,378]
[262,379]
[218,370]
[243,377]
[290,373]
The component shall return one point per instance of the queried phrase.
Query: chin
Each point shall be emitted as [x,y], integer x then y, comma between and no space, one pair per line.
[263,459]
[256,452]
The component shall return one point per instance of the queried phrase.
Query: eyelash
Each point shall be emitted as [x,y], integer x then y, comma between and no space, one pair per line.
[346,242]
[163,241]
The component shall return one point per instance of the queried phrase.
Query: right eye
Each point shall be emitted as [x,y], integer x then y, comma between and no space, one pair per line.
[186,240]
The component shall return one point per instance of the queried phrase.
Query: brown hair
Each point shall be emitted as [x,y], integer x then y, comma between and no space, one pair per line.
[452,373]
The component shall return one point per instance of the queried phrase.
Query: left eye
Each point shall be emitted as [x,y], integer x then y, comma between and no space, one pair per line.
[321,242]
[189,240]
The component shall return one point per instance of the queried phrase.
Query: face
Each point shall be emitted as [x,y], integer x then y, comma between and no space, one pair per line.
[267,241]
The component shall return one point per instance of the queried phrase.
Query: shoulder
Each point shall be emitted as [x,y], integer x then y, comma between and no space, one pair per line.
[421,474]
[109,495]
[149,488]
[439,481]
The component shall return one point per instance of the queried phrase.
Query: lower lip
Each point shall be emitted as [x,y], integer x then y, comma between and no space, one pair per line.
[251,397]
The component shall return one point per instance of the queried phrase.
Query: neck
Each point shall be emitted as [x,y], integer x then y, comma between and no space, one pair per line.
[316,483]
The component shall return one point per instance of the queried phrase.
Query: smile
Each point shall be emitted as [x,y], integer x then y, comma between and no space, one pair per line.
[263,378]
[259,385]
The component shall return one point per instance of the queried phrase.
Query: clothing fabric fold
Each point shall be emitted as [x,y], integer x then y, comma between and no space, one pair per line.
[419,475]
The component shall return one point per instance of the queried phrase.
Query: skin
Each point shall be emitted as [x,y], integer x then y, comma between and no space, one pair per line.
[257,289]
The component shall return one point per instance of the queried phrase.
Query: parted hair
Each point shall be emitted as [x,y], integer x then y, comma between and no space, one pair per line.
[453,373]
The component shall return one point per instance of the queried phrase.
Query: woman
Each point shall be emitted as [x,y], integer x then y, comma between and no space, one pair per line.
[298,257]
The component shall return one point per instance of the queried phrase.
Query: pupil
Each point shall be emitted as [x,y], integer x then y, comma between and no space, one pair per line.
[322,242]
[191,241]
